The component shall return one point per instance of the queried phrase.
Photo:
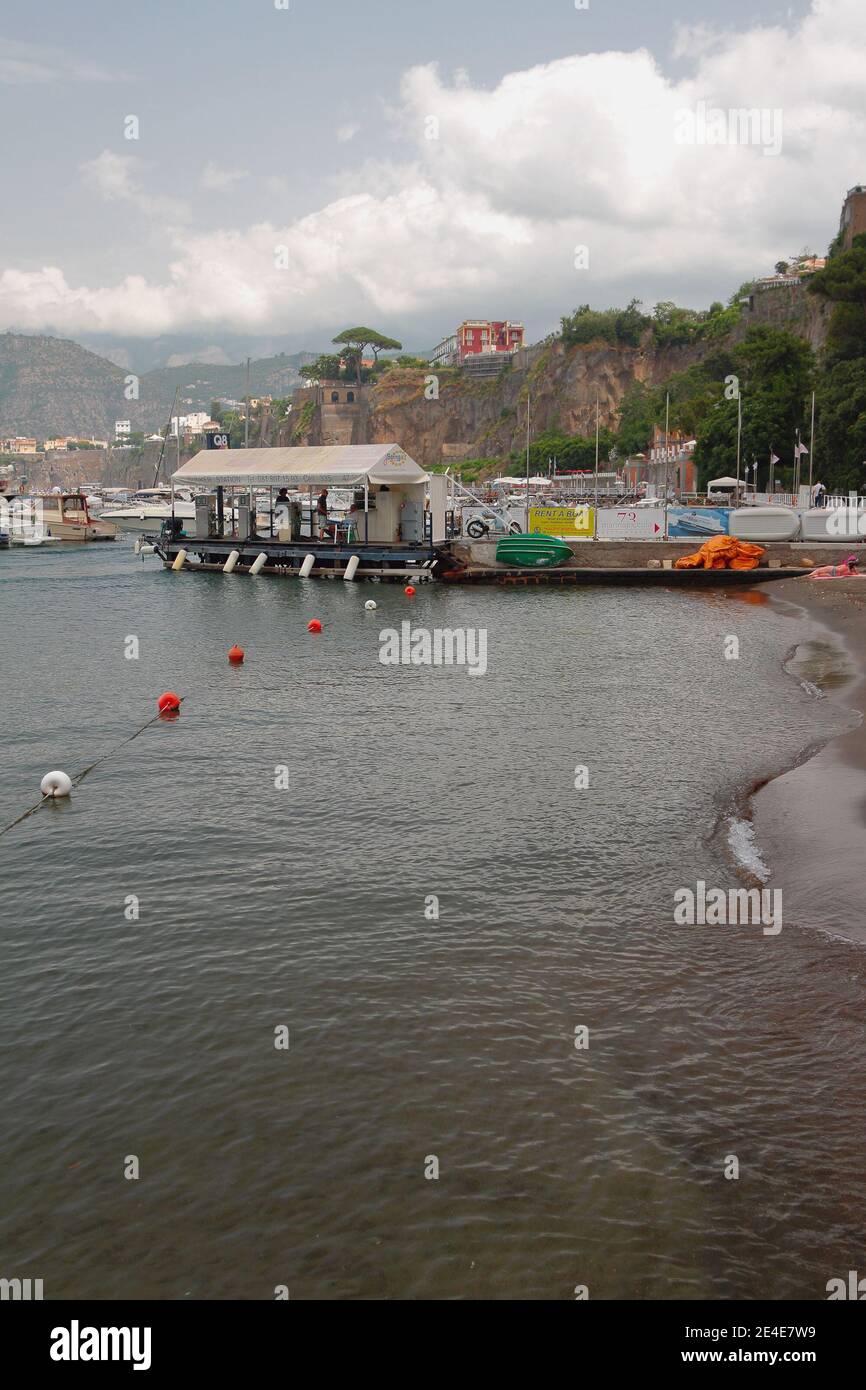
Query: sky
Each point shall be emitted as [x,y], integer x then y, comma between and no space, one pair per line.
[210,177]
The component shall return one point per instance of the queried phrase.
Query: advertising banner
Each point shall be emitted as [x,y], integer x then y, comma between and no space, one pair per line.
[698,523]
[568,523]
[631,523]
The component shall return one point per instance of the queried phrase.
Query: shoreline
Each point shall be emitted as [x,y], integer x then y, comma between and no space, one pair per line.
[808,821]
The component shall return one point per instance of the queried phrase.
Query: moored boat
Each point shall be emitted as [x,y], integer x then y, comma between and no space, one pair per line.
[525,551]
[60,516]
[764,523]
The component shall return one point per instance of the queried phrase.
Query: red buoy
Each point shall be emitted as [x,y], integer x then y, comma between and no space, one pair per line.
[169,703]
[236,655]
[314,625]
[409,590]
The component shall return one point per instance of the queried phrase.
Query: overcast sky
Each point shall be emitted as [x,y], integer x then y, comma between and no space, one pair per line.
[284,182]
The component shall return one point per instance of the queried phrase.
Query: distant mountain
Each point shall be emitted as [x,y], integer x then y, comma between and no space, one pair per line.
[52,386]
[200,383]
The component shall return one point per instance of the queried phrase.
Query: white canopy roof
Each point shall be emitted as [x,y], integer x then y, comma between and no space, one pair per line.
[722,482]
[340,464]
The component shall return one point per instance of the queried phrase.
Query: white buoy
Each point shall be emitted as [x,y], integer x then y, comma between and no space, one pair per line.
[231,562]
[258,563]
[370,605]
[306,567]
[55,784]
[351,567]
[145,549]
[179,560]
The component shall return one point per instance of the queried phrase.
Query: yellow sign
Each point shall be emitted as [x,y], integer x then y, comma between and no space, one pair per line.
[569,523]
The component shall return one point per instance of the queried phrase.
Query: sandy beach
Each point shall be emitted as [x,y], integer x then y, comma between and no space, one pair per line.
[810,821]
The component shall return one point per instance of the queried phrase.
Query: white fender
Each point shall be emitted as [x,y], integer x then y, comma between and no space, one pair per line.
[258,563]
[230,563]
[306,567]
[179,560]
[351,567]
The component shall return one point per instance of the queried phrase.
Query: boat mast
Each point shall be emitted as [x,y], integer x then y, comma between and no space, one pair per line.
[165,437]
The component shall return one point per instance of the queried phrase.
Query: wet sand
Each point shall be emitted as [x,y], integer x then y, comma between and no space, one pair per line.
[810,823]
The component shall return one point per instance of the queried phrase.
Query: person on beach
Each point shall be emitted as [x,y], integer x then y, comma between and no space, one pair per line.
[844,571]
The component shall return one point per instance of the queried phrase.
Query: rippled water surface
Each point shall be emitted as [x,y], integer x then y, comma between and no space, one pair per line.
[410,1038]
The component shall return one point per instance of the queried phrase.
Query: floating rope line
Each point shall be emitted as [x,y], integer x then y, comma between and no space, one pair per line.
[76,781]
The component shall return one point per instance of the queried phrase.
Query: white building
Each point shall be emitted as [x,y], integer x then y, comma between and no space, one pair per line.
[122,428]
[189,424]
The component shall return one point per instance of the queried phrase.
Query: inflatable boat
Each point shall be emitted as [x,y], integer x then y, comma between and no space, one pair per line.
[764,523]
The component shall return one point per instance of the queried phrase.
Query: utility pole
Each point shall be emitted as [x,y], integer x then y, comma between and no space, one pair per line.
[812,444]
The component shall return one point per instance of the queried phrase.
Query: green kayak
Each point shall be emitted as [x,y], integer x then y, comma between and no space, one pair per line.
[530,551]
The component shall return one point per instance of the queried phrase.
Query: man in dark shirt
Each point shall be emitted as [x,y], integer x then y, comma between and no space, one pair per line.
[322,513]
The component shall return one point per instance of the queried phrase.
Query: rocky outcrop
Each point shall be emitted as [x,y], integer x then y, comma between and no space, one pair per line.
[449,416]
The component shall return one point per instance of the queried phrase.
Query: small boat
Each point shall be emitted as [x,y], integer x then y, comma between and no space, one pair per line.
[834,524]
[525,551]
[59,516]
[764,523]
[148,508]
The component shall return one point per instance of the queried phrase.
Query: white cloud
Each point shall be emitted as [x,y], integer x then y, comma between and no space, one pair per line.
[114,178]
[25,64]
[217,179]
[580,151]
[347,132]
[213,356]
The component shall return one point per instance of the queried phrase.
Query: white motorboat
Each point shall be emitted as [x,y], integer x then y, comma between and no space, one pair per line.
[58,516]
[147,509]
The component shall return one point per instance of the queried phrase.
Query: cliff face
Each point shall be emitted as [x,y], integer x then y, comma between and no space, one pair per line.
[487,418]
[480,418]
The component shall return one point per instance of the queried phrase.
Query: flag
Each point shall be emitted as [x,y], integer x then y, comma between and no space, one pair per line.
[801,449]
[774,458]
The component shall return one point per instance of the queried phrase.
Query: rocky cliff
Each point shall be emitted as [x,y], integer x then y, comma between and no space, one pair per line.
[464,417]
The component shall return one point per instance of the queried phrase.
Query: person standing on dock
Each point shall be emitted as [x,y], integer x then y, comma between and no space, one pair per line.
[322,514]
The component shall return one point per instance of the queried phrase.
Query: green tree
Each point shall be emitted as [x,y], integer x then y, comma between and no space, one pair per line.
[843,279]
[325,367]
[775,370]
[355,340]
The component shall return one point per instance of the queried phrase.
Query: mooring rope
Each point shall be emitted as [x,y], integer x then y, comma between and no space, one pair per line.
[79,778]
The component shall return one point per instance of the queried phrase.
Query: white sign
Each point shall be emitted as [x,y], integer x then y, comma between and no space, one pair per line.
[631,523]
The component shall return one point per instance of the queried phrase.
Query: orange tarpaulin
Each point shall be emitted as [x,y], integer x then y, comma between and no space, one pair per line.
[722,553]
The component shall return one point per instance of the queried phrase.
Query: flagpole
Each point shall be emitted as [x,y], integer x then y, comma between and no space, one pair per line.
[526,488]
[739,434]
[667,449]
[797,467]
[595,508]
[812,443]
